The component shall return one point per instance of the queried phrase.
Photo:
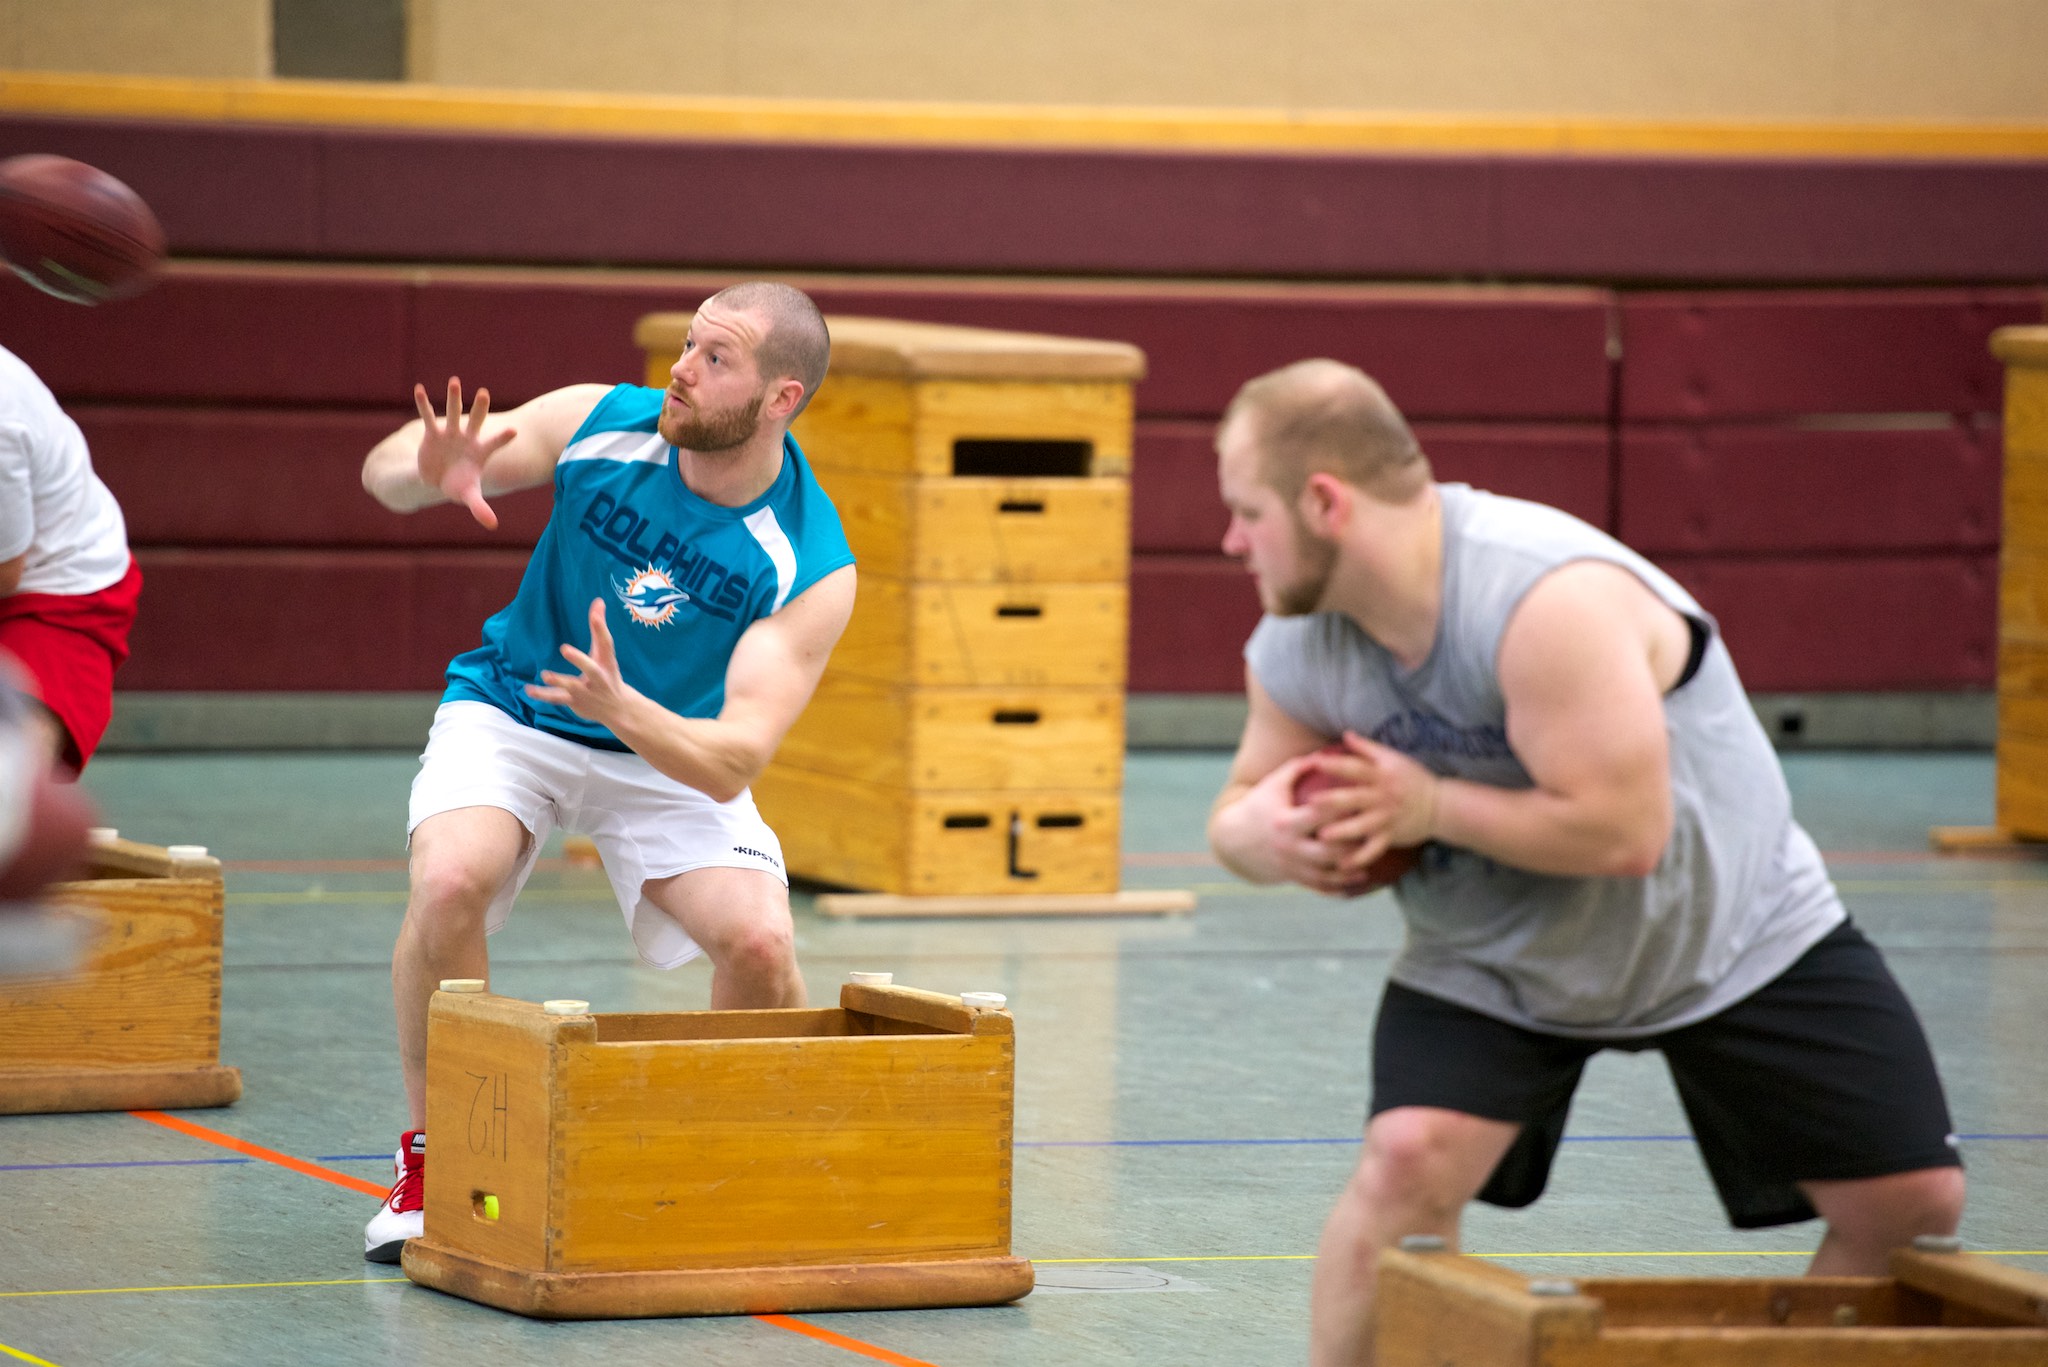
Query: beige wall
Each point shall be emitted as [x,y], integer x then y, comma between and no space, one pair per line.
[210,38]
[1766,59]
[1942,60]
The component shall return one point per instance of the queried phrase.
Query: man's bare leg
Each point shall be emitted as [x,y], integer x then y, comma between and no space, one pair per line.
[459,861]
[1420,1167]
[1870,1217]
[741,918]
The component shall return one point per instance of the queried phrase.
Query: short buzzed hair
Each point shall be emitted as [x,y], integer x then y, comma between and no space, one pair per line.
[1323,416]
[797,343]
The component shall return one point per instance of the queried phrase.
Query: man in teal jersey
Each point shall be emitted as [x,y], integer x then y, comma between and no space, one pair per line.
[694,578]
[1609,858]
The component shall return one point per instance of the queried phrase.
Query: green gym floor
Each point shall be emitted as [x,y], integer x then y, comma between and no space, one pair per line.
[1189,1093]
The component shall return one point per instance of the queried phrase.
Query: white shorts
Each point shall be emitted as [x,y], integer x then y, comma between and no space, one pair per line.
[645,825]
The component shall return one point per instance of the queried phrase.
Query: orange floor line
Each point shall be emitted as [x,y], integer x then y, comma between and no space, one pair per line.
[342,1179]
[243,1146]
[866,1350]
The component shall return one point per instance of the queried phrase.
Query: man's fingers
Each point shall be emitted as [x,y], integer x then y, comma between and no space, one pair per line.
[454,404]
[479,409]
[579,659]
[473,499]
[424,405]
[600,635]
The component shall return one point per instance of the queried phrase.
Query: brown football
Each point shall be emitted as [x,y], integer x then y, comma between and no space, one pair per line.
[74,231]
[1384,870]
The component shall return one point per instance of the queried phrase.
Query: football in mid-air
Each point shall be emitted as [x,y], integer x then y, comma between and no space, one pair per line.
[74,231]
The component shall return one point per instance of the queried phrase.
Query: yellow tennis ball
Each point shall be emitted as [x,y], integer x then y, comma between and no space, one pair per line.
[490,1207]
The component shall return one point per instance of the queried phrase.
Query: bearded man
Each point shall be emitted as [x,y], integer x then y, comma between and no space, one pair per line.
[692,546]
[1609,857]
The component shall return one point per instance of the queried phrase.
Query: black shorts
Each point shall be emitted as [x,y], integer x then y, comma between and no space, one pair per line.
[1823,1074]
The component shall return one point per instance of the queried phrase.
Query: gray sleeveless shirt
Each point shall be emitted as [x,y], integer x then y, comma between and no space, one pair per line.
[1740,892]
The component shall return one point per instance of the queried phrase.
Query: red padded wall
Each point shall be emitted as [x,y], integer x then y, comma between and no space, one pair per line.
[1852,622]
[311,620]
[1751,354]
[271,477]
[461,194]
[1190,615]
[1751,488]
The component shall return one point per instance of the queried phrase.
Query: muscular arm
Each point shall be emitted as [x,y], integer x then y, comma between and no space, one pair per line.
[773,672]
[1583,666]
[401,472]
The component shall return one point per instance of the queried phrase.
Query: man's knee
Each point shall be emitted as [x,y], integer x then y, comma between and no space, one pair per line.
[1894,1208]
[763,945]
[450,893]
[1426,1163]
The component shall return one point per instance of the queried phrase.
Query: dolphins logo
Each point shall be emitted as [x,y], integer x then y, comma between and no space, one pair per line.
[651,597]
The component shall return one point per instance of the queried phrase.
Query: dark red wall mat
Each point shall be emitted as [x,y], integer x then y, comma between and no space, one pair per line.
[1757,354]
[389,194]
[1789,219]
[1788,489]
[265,620]
[224,334]
[1852,622]
[1190,616]
[271,477]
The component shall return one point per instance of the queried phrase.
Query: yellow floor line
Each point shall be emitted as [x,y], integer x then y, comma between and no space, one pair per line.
[210,1286]
[20,1356]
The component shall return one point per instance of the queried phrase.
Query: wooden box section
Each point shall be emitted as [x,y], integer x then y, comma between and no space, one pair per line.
[864,835]
[2022,802]
[985,529]
[137,1026]
[1935,1310]
[957,738]
[987,635]
[720,1162]
[930,399]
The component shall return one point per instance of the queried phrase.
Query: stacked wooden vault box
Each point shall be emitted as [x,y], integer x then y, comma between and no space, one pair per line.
[968,736]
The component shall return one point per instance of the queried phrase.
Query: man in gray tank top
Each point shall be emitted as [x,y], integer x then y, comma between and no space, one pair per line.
[1604,854]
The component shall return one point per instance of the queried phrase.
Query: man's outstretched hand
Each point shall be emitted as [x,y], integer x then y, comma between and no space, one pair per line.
[453,449]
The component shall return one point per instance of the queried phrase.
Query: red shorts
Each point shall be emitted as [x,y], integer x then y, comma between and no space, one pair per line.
[71,645]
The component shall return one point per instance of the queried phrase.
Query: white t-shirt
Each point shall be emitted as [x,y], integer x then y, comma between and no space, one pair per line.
[52,505]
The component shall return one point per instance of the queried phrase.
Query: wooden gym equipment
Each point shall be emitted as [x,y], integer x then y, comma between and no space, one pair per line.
[719,1162]
[2022,803]
[137,1025]
[1938,1309]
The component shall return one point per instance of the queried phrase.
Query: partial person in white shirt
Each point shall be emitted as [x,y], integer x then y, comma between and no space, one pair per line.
[68,585]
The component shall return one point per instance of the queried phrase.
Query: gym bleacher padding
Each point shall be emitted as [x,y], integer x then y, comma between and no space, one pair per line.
[1818,461]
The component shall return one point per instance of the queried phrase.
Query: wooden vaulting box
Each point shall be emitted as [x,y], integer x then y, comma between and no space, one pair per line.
[1937,1309]
[136,1025]
[720,1162]
[2022,802]
[968,736]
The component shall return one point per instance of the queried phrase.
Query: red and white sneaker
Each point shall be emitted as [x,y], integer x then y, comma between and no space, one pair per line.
[403,1214]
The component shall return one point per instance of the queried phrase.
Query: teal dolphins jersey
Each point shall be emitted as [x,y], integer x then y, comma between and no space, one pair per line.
[681,578]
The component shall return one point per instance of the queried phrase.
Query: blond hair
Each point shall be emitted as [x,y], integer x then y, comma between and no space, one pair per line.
[1322,416]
